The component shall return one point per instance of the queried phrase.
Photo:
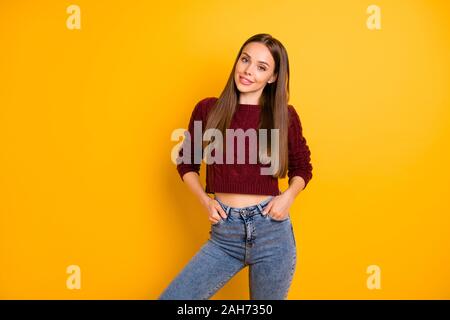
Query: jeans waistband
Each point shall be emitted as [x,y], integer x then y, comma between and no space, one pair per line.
[246,211]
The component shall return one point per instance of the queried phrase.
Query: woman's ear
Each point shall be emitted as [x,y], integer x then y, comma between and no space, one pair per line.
[272,78]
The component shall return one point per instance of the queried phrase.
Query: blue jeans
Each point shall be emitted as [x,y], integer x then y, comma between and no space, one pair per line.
[244,238]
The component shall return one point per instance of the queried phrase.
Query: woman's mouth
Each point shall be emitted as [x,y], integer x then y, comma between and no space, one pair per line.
[244,81]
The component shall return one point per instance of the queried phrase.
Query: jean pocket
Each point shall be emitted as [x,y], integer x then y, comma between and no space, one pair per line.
[221,221]
[268,217]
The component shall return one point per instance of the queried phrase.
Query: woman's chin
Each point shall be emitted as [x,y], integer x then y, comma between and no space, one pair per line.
[244,89]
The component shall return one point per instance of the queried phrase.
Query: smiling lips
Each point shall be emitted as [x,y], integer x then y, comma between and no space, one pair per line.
[245,81]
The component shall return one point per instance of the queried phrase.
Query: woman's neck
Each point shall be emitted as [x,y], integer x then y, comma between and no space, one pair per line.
[249,99]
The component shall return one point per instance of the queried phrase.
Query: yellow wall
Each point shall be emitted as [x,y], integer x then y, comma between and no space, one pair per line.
[85,123]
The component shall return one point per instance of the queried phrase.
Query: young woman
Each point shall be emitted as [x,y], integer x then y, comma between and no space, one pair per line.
[250,222]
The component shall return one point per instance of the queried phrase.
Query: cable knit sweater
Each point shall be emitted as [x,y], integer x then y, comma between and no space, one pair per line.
[246,178]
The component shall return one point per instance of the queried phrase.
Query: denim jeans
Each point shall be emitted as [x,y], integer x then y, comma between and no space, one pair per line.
[245,238]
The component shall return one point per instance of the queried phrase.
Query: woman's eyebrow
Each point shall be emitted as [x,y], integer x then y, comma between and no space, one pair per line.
[258,61]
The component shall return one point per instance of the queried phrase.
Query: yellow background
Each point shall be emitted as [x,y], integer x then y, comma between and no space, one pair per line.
[86,117]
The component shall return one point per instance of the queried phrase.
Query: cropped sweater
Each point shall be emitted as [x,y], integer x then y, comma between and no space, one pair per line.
[245,178]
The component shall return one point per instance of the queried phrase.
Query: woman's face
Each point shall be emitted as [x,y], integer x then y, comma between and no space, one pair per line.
[254,68]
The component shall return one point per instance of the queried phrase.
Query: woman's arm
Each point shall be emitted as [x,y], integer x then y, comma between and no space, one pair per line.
[299,164]
[214,209]
[192,180]
[279,206]
[296,185]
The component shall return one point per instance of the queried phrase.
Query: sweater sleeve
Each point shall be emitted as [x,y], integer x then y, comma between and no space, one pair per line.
[299,159]
[189,163]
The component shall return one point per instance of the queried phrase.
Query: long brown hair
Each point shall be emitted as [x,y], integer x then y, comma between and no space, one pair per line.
[273,101]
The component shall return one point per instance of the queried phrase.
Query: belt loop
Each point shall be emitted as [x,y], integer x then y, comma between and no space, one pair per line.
[260,208]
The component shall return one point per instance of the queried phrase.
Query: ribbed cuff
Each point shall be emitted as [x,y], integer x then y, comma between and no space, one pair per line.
[182,170]
[304,175]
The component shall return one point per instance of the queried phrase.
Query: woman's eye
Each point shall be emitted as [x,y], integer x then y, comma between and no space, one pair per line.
[245,60]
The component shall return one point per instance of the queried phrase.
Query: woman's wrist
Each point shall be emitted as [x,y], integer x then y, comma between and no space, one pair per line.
[204,199]
[289,193]
[295,187]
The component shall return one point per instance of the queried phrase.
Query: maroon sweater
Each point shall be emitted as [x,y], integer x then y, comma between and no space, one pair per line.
[246,178]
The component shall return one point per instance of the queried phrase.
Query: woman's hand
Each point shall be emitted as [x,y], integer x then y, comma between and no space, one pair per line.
[215,210]
[278,207]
